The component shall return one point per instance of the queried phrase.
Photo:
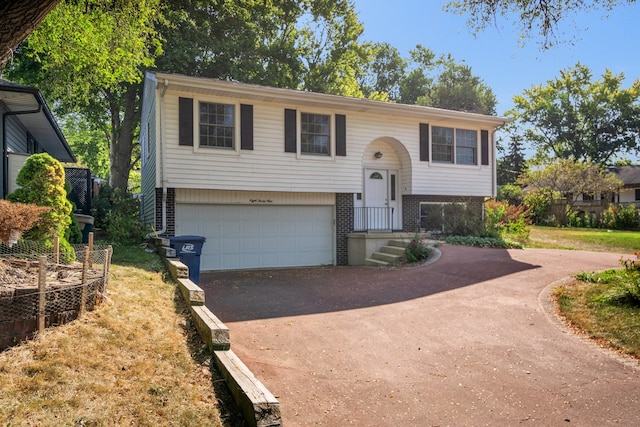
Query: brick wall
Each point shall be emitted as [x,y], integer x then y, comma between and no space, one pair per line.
[411,207]
[171,211]
[344,226]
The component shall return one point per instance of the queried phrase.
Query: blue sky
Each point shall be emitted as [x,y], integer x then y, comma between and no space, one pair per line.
[601,40]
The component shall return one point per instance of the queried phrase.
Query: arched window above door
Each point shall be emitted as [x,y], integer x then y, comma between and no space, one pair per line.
[375,175]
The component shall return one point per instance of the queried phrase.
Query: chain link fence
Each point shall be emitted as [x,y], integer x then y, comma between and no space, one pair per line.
[37,290]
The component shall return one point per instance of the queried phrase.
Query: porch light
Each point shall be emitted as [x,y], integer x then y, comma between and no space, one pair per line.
[378,155]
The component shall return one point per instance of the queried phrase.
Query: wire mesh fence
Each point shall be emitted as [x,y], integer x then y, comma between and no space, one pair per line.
[41,287]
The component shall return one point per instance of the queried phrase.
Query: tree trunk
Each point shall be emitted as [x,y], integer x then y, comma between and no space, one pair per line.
[123,132]
[19,19]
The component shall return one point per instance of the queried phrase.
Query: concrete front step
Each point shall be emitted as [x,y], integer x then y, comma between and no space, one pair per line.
[395,250]
[375,263]
[386,257]
[399,243]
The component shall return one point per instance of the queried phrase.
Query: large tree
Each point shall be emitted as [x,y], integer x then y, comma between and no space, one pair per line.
[573,117]
[536,17]
[300,44]
[425,79]
[87,58]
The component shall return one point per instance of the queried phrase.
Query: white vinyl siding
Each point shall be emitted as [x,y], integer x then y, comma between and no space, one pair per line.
[268,168]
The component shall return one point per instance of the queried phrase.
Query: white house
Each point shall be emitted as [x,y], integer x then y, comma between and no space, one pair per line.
[630,177]
[277,177]
[27,127]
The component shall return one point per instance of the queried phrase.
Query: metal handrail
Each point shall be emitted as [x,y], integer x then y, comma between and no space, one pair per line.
[373,219]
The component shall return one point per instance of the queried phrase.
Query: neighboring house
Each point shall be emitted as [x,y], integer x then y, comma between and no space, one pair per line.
[27,127]
[630,177]
[278,177]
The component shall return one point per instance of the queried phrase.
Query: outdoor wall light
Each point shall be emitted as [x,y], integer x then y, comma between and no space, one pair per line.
[378,155]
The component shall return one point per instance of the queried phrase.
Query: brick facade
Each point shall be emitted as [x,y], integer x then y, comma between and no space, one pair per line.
[344,226]
[171,211]
[411,207]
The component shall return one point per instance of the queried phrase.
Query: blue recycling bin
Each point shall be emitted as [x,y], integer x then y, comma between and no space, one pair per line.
[188,250]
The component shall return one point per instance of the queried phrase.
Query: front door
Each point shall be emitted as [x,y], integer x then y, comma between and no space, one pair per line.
[380,200]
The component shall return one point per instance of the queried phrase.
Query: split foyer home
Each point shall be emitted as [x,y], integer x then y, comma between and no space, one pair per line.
[279,178]
[27,127]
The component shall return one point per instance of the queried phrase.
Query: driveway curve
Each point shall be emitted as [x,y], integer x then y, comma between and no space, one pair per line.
[467,340]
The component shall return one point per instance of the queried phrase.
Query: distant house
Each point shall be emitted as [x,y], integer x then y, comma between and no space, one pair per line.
[27,127]
[630,177]
[279,178]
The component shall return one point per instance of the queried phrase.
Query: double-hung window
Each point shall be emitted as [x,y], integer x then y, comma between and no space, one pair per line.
[456,146]
[217,125]
[315,134]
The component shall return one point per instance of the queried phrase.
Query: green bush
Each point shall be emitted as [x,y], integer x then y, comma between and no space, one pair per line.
[503,220]
[482,242]
[619,217]
[537,203]
[42,182]
[511,193]
[119,215]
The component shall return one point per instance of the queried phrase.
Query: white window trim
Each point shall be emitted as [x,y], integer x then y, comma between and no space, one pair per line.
[218,151]
[332,137]
[476,165]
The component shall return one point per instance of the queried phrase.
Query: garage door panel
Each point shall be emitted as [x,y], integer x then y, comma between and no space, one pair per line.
[259,236]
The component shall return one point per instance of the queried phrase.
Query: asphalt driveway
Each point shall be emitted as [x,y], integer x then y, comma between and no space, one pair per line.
[467,340]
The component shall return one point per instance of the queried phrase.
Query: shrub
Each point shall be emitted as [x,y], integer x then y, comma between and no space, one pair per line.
[18,217]
[42,182]
[537,203]
[619,217]
[511,193]
[119,215]
[417,250]
[503,220]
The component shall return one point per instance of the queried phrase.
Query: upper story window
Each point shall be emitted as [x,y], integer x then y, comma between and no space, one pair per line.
[457,146]
[315,134]
[217,125]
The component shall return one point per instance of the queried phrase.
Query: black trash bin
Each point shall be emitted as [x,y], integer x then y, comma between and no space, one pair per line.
[188,250]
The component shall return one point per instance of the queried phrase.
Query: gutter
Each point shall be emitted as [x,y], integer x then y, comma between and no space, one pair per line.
[5,150]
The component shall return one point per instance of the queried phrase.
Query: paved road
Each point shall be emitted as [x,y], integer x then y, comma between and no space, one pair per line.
[466,340]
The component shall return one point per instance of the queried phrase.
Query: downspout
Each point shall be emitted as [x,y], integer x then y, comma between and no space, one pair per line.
[160,150]
[494,171]
[5,149]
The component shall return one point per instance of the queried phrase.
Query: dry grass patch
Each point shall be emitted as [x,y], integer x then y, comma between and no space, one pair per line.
[132,361]
[612,325]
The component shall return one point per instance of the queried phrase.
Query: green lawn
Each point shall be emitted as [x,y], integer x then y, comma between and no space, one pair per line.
[589,239]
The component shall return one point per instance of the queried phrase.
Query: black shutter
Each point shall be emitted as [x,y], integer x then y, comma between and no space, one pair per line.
[290,130]
[185,121]
[341,135]
[484,146]
[246,127]
[424,142]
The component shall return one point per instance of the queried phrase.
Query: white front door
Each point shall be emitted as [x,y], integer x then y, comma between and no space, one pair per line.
[381,200]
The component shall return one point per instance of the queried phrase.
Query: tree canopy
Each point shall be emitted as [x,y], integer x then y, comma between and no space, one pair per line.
[88,58]
[425,79]
[535,17]
[571,179]
[573,117]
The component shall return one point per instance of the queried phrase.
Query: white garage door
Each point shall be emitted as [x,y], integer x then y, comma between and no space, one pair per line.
[259,236]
